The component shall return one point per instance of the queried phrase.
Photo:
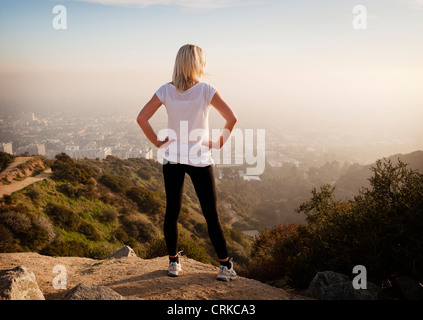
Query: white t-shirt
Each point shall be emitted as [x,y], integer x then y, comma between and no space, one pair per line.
[188,127]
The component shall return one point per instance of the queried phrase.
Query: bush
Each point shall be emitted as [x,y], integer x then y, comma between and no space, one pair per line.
[65,168]
[6,236]
[63,216]
[155,248]
[5,160]
[380,228]
[139,229]
[71,190]
[109,215]
[45,224]
[17,222]
[66,248]
[115,183]
[191,249]
[144,174]
[145,199]
[89,231]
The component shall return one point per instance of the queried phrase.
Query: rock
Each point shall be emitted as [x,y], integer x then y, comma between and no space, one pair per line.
[329,285]
[19,284]
[410,289]
[126,251]
[322,280]
[92,292]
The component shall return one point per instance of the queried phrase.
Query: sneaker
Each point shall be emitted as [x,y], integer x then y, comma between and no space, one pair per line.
[226,274]
[174,269]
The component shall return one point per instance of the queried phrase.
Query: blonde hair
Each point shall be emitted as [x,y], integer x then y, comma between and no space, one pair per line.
[189,67]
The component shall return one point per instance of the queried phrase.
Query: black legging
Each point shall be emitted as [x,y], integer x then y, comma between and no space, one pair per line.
[203,181]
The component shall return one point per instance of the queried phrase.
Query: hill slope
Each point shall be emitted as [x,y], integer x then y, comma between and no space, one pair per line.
[357,176]
[135,278]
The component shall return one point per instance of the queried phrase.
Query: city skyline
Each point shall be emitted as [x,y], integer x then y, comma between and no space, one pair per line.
[298,65]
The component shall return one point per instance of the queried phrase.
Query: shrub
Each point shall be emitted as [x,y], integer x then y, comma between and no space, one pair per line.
[15,221]
[145,199]
[109,215]
[155,248]
[65,168]
[121,235]
[144,174]
[66,248]
[63,216]
[379,228]
[45,224]
[5,160]
[89,231]
[193,250]
[115,183]
[70,190]
[139,229]
[6,236]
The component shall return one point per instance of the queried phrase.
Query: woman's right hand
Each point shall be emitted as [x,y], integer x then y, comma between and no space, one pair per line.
[160,143]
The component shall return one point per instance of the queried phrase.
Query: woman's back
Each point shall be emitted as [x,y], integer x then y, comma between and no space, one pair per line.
[188,129]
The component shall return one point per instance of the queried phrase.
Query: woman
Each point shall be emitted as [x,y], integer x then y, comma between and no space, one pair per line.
[187,149]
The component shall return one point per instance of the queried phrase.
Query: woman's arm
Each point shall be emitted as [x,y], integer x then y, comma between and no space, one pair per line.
[145,114]
[228,114]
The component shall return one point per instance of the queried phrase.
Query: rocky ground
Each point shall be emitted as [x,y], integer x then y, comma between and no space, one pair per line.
[138,279]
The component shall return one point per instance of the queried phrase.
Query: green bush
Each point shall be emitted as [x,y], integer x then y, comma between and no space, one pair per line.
[191,249]
[146,199]
[65,168]
[139,229]
[379,228]
[115,183]
[109,215]
[63,216]
[144,173]
[155,248]
[5,160]
[66,248]
[89,231]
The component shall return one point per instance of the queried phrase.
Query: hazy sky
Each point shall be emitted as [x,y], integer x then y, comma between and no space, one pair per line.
[274,61]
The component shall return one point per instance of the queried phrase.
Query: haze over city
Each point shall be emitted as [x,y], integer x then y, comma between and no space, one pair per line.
[286,66]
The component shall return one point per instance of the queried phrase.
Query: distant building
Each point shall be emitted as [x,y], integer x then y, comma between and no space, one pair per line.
[37,149]
[75,152]
[6,147]
[71,149]
[146,153]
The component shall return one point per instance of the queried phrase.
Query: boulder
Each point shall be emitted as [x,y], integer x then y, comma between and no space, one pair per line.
[19,284]
[329,285]
[92,292]
[126,251]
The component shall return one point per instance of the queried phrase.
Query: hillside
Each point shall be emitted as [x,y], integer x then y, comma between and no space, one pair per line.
[90,208]
[135,278]
[357,175]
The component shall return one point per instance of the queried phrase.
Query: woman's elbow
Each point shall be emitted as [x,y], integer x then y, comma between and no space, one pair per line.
[141,120]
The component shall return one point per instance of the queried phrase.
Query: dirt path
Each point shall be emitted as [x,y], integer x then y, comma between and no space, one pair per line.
[18,185]
[17,161]
[140,279]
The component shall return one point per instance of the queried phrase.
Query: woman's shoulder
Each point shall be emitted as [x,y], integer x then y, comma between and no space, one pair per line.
[207,87]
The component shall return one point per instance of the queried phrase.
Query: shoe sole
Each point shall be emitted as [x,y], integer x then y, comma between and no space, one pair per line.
[173,275]
[225,279]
